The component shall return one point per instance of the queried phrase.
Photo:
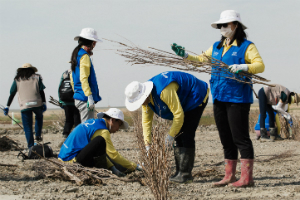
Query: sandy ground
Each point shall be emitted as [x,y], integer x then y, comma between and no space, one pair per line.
[276,177]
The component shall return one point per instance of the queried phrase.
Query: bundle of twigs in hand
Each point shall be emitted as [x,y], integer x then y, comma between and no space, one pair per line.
[55,102]
[53,168]
[157,160]
[136,55]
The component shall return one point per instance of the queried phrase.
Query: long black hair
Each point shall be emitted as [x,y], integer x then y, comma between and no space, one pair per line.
[24,74]
[239,35]
[81,41]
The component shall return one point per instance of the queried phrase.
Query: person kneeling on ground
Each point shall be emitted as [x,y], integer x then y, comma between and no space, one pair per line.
[90,142]
[176,96]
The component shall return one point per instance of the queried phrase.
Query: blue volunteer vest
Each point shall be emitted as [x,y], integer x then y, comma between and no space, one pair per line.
[191,92]
[78,92]
[267,125]
[79,138]
[229,90]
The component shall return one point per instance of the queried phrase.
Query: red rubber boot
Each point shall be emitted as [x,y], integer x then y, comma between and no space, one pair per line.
[230,168]
[246,179]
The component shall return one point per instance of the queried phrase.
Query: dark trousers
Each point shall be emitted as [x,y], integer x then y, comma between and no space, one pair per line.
[186,135]
[232,120]
[263,108]
[27,124]
[96,148]
[72,118]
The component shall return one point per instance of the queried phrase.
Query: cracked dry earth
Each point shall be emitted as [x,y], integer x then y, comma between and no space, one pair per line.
[276,173]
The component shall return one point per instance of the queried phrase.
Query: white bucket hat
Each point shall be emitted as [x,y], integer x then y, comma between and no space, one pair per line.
[228,16]
[116,114]
[136,94]
[88,33]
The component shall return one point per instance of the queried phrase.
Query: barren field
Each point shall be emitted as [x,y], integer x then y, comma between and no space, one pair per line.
[276,173]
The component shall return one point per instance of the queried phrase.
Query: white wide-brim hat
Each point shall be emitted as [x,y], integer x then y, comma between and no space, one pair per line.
[89,34]
[116,114]
[228,16]
[136,94]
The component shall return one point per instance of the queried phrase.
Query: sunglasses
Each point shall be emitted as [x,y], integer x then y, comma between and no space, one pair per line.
[219,26]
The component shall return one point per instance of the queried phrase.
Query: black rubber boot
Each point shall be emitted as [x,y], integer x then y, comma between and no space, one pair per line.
[100,162]
[176,155]
[264,135]
[186,164]
[273,135]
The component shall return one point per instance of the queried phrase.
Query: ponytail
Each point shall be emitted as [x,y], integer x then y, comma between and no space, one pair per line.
[81,42]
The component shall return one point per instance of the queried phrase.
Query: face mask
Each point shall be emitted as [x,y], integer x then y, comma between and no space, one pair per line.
[110,124]
[227,32]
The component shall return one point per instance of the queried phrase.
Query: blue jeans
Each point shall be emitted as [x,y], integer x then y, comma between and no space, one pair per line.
[27,124]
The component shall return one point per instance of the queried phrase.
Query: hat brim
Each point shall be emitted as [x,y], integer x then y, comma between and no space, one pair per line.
[296,98]
[223,21]
[137,104]
[125,125]
[34,68]
[88,38]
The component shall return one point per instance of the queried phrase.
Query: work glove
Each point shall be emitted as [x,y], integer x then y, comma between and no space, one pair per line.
[279,108]
[139,167]
[6,110]
[179,50]
[44,107]
[287,116]
[90,103]
[169,141]
[117,172]
[291,122]
[238,68]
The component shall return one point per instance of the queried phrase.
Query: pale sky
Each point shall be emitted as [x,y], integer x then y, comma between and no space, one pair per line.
[41,32]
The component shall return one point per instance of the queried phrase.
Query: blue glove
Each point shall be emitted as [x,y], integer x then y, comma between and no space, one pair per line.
[291,122]
[44,107]
[169,141]
[139,167]
[6,110]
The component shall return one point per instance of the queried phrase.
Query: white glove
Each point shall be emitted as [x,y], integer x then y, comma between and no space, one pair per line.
[147,148]
[90,103]
[139,167]
[287,116]
[117,172]
[237,68]
[279,107]
[169,141]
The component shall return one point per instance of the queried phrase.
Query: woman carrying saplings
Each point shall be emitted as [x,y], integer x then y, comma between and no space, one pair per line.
[232,99]
[176,96]
[90,142]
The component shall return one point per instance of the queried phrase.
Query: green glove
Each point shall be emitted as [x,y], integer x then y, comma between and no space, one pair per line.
[179,50]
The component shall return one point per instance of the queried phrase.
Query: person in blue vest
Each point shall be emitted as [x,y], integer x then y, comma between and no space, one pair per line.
[176,96]
[90,143]
[267,125]
[232,99]
[83,76]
